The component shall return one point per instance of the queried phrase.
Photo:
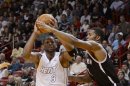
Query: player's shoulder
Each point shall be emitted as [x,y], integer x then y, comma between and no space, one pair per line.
[95,45]
[37,54]
[58,53]
[92,42]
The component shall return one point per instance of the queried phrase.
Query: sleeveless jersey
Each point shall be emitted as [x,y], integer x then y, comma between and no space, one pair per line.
[102,72]
[51,73]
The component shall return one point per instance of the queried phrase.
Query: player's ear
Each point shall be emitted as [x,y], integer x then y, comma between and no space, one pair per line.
[98,37]
[42,46]
[56,45]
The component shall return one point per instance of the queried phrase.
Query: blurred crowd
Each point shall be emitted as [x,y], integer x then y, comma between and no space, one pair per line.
[17,19]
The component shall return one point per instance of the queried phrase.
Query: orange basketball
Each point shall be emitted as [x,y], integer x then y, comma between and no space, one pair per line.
[47,19]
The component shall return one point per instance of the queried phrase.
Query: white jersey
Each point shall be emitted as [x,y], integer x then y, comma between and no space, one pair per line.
[51,73]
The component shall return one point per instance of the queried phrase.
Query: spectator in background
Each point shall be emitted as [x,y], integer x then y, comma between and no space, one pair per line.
[84,17]
[63,25]
[4,69]
[121,76]
[78,66]
[72,3]
[4,73]
[73,30]
[65,7]
[109,26]
[77,10]
[2,56]
[107,47]
[127,38]
[123,25]
[93,3]
[76,23]
[17,51]
[83,30]
[112,35]
[117,5]
[7,35]
[119,47]
[58,17]
[105,33]
[69,16]
[15,65]
[26,78]
[106,13]
[11,81]
[28,28]
[5,22]
[95,16]
[2,29]
[85,26]
[23,38]
[118,42]
[128,58]
[126,70]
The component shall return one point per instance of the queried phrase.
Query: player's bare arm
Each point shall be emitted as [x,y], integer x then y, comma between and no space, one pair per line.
[91,46]
[64,37]
[29,46]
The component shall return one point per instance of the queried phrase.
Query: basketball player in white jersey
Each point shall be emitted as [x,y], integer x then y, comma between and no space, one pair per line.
[52,65]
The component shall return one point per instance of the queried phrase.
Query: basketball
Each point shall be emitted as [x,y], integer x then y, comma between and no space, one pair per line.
[47,19]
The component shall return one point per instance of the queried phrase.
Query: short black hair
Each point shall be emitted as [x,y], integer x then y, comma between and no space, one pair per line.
[46,36]
[99,32]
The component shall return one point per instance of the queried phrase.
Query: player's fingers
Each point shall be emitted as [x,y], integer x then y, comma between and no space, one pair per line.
[40,24]
[51,22]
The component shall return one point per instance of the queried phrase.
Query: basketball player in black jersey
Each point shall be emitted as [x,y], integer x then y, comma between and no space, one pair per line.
[100,67]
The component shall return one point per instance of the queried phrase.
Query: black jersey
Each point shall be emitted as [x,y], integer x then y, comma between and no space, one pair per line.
[102,72]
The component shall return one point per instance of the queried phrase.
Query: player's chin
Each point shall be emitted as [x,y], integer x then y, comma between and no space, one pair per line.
[51,50]
[87,39]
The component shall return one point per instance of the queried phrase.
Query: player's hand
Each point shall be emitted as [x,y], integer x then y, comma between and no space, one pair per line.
[42,27]
[56,24]
[36,30]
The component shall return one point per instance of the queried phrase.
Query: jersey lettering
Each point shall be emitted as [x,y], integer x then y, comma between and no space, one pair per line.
[53,78]
[48,70]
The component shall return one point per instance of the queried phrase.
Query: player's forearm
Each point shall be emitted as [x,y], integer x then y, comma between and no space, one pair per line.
[65,38]
[29,46]
[67,46]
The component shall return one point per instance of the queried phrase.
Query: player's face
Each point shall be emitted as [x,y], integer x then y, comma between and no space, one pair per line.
[49,44]
[91,35]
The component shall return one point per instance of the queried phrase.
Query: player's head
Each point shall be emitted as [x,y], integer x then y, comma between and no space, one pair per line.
[49,44]
[95,34]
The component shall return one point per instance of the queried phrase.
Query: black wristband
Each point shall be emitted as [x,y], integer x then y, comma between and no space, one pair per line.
[73,52]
